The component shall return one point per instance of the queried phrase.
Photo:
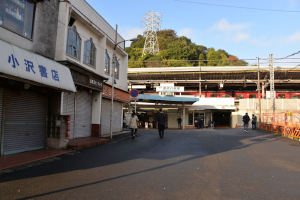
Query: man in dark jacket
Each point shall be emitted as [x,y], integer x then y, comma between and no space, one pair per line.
[254,121]
[246,120]
[161,122]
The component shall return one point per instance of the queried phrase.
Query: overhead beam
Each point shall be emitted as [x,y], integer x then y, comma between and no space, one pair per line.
[210,81]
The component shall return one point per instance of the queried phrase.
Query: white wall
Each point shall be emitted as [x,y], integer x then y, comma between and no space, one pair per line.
[90,25]
[172,118]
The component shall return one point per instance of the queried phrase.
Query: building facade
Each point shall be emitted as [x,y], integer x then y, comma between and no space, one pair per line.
[85,43]
[31,81]
[57,57]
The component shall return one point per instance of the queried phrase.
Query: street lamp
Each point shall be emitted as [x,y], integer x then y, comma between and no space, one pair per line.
[114,63]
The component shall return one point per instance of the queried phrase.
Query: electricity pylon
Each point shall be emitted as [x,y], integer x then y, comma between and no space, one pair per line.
[152,25]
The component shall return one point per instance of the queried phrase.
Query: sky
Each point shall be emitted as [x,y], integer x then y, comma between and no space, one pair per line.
[246,33]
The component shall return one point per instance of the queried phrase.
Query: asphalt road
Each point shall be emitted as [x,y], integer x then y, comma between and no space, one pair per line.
[191,164]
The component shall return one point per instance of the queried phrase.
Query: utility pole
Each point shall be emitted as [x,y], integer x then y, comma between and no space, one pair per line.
[114,62]
[258,90]
[200,90]
[272,86]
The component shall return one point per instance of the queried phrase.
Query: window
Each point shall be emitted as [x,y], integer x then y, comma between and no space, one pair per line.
[89,56]
[214,95]
[295,96]
[107,63]
[240,96]
[117,69]
[225,96]
[281,96]
[73,43]
[17,16]
[252,96]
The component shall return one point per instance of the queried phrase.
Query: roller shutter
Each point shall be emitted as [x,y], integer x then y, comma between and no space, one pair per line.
[24,121]
[83,113]
[105,117]
[1,113]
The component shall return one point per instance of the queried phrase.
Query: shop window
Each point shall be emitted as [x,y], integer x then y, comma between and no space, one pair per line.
[214,95]
[295,96]
[226,96]
[239,96]
[89,53]
[107,63]
[73,43]
[252,96]
[17,16]
[281,96]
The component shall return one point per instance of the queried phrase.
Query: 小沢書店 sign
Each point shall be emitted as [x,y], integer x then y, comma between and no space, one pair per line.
[30,66]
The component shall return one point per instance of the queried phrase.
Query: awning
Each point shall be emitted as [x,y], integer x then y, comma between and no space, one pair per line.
[26,65]
[214,104]
[166,99]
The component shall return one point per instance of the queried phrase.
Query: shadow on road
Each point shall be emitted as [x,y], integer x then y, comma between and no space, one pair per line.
[177,143]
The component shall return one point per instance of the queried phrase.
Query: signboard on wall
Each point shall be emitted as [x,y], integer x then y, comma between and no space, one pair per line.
[169,89]
[24,64]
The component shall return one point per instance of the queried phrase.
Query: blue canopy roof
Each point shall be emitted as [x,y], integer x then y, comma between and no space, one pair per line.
[166,98]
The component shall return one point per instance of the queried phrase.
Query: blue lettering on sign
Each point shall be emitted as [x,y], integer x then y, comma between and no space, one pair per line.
[54,75]
[12,60]
[43,71]
[29,66]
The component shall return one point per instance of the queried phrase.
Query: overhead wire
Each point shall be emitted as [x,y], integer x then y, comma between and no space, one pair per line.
[238,7]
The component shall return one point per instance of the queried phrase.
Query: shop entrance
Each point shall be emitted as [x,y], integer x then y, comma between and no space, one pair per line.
[222,119]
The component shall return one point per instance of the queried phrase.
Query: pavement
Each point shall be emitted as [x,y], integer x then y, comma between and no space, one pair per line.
[18,161]
[214,164]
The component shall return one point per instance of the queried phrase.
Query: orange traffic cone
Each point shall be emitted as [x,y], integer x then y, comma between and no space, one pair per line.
[236,126]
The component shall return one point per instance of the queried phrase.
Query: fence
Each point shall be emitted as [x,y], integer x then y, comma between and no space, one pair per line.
[286,123]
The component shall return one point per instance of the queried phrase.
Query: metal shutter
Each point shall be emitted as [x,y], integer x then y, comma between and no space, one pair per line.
[24,121]
[69,109]
[105,117]
[83,113]
[1,110]
[117,125]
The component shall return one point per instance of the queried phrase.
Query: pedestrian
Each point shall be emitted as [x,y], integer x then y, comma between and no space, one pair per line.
[254,119]
[179,120]
[161,122]
[246,120]
[133,124]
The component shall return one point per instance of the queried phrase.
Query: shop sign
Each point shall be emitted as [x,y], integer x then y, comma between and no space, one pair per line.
[30,66]
[118,94]
[87,81]
[95,82]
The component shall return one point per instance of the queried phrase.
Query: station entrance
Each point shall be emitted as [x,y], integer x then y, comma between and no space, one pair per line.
[222,118]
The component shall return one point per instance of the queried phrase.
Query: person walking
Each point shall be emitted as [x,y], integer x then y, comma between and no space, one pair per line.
[133,124]
[254,119]
[179,120]
[161,122]
[246,120]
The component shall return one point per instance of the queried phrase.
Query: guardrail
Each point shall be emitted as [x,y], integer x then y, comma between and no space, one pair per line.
[287,124]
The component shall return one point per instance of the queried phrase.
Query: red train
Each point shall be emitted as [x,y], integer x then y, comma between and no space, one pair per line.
[244,94]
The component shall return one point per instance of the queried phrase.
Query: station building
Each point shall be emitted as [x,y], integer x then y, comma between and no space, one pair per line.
[218,95]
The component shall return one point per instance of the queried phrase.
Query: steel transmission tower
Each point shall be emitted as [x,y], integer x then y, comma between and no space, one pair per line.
[152,25]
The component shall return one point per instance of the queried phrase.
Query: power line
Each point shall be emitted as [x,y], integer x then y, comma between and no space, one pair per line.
[238,7]
[290,56]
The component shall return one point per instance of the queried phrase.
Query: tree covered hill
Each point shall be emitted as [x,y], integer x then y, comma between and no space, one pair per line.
[178,51]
